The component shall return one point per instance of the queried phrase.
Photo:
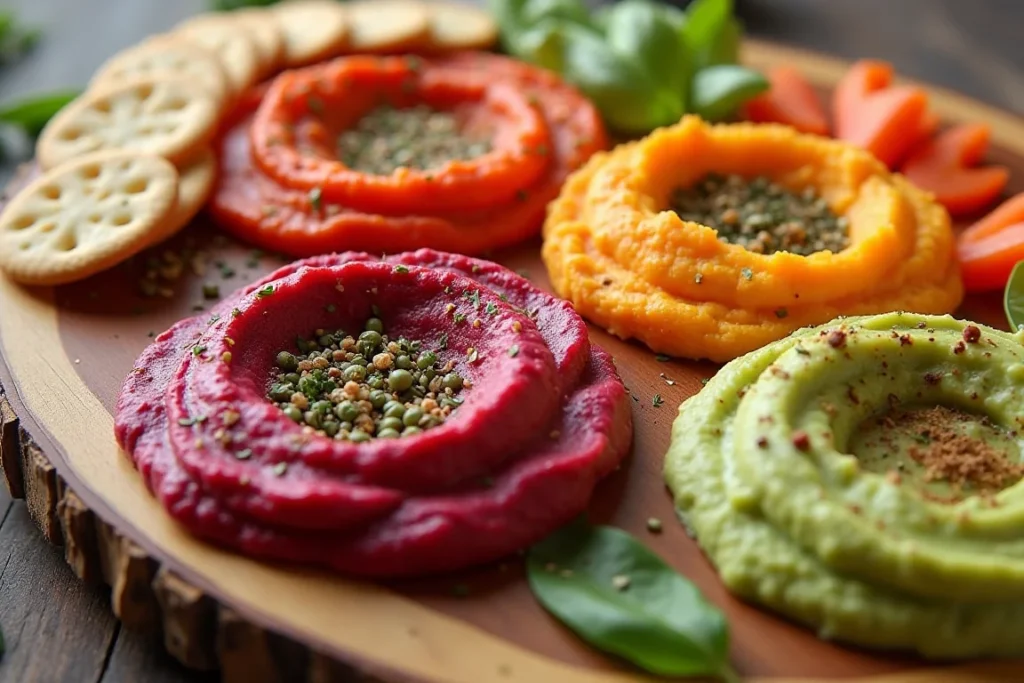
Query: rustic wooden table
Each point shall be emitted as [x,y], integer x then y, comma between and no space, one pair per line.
[58,630]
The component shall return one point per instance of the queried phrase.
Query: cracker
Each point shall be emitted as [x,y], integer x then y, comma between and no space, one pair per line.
[457,26]
[195,184]
[169,117]
[231,40]
[387,25]
[163,56]
[266,34]
[85,216]
[313,30]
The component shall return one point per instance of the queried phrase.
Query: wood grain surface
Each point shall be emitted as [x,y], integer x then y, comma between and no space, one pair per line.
[58,629]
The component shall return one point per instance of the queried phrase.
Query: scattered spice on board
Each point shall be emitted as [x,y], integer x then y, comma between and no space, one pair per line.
[417,137]
[762,216]
[358,387]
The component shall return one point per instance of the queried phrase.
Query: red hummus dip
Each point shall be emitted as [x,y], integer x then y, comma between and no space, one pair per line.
[543,417]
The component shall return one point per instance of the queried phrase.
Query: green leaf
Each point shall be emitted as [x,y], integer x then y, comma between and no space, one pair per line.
[641,30]
[15,39]
[574,11]
[32,113]
[628,99]
[541,45]
[622,598]
[1013,297]
[718,91]
[705,22]
[726,48]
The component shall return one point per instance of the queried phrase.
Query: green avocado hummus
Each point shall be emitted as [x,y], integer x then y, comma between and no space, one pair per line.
[863,477]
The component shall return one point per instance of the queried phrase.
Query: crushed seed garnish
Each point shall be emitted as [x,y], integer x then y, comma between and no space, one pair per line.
[762,216]
[417,137]
[364,386]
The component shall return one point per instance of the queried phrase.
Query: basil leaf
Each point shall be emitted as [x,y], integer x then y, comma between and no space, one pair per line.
[622,598]
[628,99]
[572,11]
[31,114]
[542,44]
[642,31]
[705,22]
[717,91]
[508,14]
[1013,297]
[726,48]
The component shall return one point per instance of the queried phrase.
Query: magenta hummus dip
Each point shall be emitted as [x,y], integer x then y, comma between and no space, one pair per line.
[416,414]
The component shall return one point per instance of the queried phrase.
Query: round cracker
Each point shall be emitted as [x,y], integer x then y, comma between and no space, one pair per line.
[163,56]
[266,35]
[387,25]
[85,216]
[169,117]
[456,26]
[313,30]
[233,43]
[195,184]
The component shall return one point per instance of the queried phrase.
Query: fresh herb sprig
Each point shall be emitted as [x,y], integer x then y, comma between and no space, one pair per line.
[619,596]
[15,38]
[30,114]
[1013,298]
[643,63]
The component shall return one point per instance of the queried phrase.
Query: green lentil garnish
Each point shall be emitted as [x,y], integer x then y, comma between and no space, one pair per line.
[662,358]
[762,216]
[747,274]
[198,349]
[316,198]
[356,387]
[418,137]
[265,292]
[401,269]
[657,401]
[235,313]
[513,351]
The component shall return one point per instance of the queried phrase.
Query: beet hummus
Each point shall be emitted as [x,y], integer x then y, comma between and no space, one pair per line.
[539,417]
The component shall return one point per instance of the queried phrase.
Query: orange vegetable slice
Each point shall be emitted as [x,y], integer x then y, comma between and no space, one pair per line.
[989,249]
[945,167]
[1009,212]
[873,114]
[986,263]
[642,272]
[790,100]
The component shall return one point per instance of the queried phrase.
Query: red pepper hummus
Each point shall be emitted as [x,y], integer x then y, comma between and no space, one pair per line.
[543,415]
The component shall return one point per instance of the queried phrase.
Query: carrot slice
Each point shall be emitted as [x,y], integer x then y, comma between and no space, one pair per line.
[1008,213]
[872,113]
[944,166]
[791,100]
[986,262]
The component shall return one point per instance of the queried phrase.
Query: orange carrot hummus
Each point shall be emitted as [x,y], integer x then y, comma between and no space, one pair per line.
[640,270]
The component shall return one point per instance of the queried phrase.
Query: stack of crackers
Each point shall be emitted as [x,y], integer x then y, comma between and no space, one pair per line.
[128,163]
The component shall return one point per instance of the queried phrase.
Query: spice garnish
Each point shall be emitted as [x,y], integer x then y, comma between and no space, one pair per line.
[418,137]
[358,387]
[762,216]
[657,401]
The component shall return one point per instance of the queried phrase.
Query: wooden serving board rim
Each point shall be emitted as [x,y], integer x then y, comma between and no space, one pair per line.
[301,604]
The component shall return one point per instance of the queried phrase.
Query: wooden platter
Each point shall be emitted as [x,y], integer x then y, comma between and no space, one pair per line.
[66,352]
